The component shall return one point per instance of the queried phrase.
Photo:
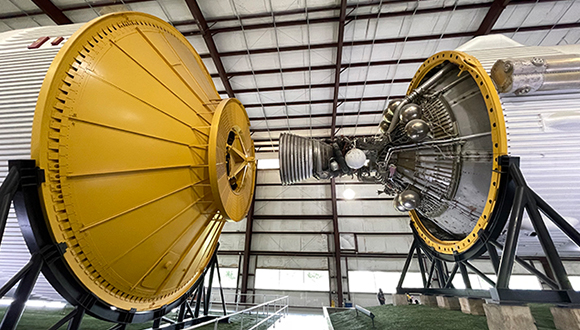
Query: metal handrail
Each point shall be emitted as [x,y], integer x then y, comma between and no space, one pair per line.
[236,299]
[262,305]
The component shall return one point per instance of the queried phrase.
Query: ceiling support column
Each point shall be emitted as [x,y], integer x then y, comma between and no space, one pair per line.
[336,235]
[208,38]
[492,16]
[337,68]
[247,248]
[52,11]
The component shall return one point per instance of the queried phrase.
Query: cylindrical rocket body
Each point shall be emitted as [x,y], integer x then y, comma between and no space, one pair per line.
[542,128]
[22,72]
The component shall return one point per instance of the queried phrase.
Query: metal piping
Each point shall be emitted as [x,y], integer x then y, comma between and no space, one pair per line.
[415,93]
[432,143]
[527,75]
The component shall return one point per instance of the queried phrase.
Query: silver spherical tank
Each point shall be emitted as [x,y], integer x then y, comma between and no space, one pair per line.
[388,115]
[393,105]
[398,203]
[417,130]
[409,199]
[410,112]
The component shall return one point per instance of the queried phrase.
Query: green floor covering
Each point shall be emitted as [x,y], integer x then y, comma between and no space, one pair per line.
[42,319]
[426,318]
[37,319]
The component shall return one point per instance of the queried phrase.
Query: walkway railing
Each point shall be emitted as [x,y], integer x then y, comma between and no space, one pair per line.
[233,301]
[273,309]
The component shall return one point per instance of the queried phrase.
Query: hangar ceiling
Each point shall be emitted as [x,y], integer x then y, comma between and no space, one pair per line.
[314,66]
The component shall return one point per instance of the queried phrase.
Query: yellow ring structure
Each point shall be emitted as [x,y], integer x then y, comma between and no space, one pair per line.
[233,177]
[128,127]
[471,65]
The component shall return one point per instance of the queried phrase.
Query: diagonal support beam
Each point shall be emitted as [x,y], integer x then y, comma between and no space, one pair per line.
[492,16]
[52,11]
[207,37]
[338,65]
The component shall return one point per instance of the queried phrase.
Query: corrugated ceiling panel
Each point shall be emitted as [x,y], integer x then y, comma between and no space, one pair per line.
[292,110]
[291,123]
[373,90]
[547,38]
[26,5]
[27,22]
[151,7]
[542,13]
[199,44]
[82,15]
[291,95]
[379,72]
[176,9]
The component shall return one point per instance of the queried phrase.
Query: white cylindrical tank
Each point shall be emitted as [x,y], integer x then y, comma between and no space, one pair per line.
[22,72]
[541,127]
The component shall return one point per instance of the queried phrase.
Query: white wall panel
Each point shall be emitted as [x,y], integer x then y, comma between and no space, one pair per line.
[293,208]
[281,262]
[232,242]
[314,191]
[235,226]
[227,261]
[374,224]
[384,244]
[354,207]
[292,243]
[301,298]
[572,267]
[293,225]
[382,264]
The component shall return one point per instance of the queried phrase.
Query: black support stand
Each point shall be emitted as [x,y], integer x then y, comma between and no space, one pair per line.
[21,187]
[524,199]
[188,314]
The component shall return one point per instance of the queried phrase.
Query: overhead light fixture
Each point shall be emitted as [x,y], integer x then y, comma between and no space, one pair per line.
[348,193]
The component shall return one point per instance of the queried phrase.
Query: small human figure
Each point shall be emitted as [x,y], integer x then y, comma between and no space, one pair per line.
[381,297]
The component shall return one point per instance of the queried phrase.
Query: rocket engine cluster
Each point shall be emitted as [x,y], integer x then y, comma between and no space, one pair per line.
[438,149]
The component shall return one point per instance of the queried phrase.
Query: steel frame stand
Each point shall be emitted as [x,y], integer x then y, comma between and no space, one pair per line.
[21,186]
[200,297]
[525,199]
